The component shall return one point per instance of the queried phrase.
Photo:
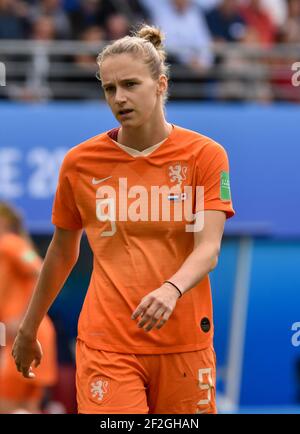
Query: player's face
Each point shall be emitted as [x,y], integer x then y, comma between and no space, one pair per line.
[4,226]
[132,94]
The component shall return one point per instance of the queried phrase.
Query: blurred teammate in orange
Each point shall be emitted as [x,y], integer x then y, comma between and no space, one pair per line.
[19,269]
[145,331]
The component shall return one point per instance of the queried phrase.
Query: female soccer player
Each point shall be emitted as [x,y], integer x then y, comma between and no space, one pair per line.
[19,269]
[145,330]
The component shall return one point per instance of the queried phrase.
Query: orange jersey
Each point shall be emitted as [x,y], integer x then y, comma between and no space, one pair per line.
[19,269]
[137,241]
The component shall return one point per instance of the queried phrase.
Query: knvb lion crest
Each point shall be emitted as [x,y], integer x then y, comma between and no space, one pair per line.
[99,389]
[177,173]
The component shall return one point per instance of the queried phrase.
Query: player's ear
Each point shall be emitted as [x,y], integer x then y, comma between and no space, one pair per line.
[162,84]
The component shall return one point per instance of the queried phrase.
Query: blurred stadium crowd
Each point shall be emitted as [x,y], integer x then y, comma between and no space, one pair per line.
[263,21]
[200,35]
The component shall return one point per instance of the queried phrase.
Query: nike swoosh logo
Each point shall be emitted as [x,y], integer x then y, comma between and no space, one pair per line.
[98,181]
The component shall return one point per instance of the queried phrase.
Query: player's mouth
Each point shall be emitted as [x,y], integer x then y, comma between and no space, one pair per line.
[124,113]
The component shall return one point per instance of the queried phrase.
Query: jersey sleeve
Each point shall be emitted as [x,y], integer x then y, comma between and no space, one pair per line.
[5,273]
[65,213]
[213,176]
[20,255]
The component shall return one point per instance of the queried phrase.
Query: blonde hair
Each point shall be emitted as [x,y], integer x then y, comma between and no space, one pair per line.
[15,222]
[147,44]
[12,217]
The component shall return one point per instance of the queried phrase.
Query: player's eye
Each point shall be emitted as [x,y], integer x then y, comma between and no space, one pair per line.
[109,89]
[130,84]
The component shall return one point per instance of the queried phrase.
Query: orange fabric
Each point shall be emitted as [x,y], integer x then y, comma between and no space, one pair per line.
[135,257]
[182,383]
[19,268]
[13,385]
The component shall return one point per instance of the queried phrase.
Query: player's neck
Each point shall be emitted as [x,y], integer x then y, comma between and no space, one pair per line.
[145,136]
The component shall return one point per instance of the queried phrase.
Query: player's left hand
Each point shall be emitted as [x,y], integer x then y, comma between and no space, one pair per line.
[156,307]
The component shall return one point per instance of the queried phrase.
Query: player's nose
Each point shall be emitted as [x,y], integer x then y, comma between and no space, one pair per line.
[120,96]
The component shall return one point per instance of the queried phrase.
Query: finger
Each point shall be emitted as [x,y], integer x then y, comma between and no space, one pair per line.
[37,362]
[30,373]
[141,309]
[24,371]
[148,316]
[27,372]
[159,313]
[151,325]
[144,321]
[153,318]
[137,313]
[164,319]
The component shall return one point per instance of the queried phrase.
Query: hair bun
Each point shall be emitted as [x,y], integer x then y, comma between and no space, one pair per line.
[151,34]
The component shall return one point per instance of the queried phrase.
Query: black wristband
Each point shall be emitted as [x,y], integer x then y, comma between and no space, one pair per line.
[173,284]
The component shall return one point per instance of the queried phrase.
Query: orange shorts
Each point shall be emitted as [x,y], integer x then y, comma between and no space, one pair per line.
[181,383]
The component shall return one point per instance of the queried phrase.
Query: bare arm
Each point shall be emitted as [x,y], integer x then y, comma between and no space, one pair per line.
[204,258]
[60,259]
[160,303]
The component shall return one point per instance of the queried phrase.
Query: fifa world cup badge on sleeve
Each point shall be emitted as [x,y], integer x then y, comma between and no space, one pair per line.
[225,187]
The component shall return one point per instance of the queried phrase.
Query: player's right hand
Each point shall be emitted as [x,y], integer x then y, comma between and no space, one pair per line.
[27,354]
